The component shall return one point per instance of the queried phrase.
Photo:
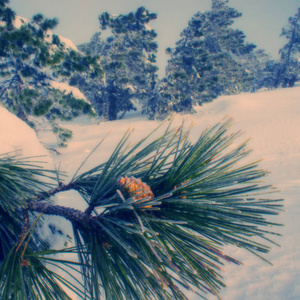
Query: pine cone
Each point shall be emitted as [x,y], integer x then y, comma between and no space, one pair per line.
[135,188]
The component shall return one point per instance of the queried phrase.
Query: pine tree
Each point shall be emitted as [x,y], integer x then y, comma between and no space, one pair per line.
[227,47]
[158,216]
[128,60]
[31,58]
[289,69]
[186,69]
[206,62]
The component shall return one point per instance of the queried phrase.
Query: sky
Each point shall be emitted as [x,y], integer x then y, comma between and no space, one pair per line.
[261,22]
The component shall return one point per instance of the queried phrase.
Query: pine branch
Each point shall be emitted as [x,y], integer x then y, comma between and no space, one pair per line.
[71,214]
[155,210]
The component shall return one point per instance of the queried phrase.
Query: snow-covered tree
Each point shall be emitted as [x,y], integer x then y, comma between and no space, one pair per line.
[289,68]
[128,59]
[206,61]
[187,68]
[31,59]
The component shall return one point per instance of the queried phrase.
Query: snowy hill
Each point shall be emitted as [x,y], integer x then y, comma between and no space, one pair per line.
[270,119]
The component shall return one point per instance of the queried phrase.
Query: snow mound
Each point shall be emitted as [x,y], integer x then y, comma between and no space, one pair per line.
[18,136]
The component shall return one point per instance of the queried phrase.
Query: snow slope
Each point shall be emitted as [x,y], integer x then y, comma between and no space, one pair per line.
[272,121]
[16,135]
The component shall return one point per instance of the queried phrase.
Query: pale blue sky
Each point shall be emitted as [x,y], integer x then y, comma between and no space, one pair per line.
[262,20]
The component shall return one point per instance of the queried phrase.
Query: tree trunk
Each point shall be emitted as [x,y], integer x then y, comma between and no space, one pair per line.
[112,108]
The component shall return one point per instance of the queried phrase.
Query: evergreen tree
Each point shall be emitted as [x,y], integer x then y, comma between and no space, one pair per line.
[158,216]
[206,62]
[128,60]
[31,58]
[187,68]
[289,69]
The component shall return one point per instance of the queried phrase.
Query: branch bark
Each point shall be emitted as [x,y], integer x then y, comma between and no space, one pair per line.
[71,214]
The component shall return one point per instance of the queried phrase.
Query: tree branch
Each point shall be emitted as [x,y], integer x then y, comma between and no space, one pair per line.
[71,214]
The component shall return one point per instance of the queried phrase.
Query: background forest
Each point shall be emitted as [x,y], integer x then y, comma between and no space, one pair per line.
[116,71]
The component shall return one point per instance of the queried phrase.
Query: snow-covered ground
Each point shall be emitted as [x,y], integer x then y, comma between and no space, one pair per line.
[272,121]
